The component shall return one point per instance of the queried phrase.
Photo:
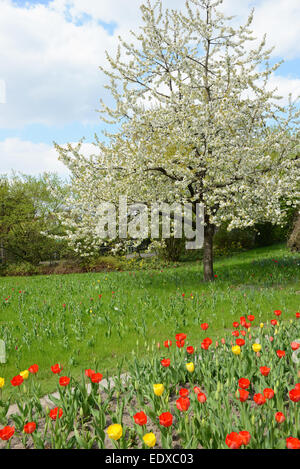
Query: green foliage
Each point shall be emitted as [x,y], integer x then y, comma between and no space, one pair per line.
[267,234]
[20,269]
[100,263]
[27,208]
[235,240]
[173,249]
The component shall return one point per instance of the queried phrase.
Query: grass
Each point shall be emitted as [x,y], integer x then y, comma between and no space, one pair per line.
[62,318]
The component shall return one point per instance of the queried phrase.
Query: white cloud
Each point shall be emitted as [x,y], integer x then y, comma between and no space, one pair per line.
[2,92]
[280,20]
[50,67]
[285,86]
[33,158]
[50,64]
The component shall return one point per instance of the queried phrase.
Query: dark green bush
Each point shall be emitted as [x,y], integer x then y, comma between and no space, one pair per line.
[23,268]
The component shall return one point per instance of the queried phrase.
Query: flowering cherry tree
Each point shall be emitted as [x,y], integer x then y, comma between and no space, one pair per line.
[197,122]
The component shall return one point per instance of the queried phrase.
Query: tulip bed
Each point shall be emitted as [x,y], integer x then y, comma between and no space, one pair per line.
[97,319]
[242,391]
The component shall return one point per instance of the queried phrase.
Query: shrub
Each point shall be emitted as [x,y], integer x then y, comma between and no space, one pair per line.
[22,269]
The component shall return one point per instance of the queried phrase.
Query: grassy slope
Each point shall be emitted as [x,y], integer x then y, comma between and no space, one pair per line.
[147,306]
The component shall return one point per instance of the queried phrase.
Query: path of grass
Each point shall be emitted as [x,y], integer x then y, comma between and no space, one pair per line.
[95,320]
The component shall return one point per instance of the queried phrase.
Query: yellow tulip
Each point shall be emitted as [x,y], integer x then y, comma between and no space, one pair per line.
[24,374]
[115,431]
[261,325]
[236,349]
[256,347]
[158,389]
[149,439]
[190,367]
[2,382]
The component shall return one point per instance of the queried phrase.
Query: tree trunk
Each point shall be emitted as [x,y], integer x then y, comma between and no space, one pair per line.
[294,240]
[208,268]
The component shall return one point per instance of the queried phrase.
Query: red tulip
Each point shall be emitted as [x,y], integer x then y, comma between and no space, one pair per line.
[268,393]
[243,321]
[96,378]
[89,373]
[166,362]
[64,381]
[265,370]
[292,443]
[295,395]
[166,419]
[140,418]
[279,416]
[244,383]
[56,412]
[242,395]
[184,392]
[206,343]
[17,380]
[234,440]
[180,337]
[29,427]
[246,437]
[56,369]
[180,343]
[183,403]
[204,326]
[201,397]
[6,433]
[280,353]
[295,345]
[33,369]
[259,399]
[240,342]
[190,350]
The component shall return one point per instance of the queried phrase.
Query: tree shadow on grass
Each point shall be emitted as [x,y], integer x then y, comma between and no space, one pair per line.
[261,272]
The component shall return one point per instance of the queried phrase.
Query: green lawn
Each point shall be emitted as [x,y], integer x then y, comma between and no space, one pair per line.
[146,307]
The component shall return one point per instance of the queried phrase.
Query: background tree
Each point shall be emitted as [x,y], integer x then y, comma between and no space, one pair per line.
[27,209]
[198,123]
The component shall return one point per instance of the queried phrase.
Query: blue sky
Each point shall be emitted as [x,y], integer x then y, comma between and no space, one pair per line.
[50,84]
